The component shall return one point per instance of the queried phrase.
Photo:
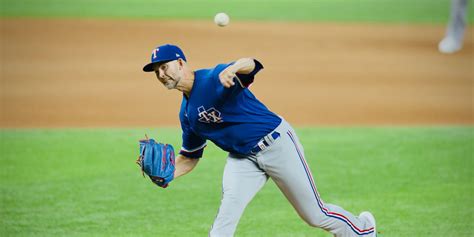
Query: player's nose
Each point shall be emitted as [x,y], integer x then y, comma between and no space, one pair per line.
[161,73]
[157,72]
[160,77]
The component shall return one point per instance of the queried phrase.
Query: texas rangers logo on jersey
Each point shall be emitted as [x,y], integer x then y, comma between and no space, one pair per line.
[211,115]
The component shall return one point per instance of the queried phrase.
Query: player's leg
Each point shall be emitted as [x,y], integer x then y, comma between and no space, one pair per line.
[453,39]
[242,179]
[457,22]
[284,162]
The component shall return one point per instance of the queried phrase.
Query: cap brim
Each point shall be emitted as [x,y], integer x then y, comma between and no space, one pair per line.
[148,67]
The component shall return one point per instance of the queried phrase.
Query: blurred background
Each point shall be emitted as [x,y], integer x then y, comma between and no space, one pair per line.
[384,116]
[78,63]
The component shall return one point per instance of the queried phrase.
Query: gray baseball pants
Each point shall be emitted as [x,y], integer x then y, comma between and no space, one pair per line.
[283,161]
[457,20]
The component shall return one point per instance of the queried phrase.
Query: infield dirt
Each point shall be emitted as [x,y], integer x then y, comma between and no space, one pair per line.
[87,73]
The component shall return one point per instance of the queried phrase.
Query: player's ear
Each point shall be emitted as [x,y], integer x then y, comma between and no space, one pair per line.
[180,63]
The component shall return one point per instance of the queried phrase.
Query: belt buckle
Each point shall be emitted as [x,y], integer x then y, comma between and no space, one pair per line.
[265,142]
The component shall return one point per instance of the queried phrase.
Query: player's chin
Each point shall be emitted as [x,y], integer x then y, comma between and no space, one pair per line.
[171,85]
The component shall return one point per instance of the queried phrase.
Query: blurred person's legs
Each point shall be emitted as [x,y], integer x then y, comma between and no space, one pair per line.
[453,39]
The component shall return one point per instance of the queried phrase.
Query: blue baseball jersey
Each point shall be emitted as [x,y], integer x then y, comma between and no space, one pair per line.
[232,118]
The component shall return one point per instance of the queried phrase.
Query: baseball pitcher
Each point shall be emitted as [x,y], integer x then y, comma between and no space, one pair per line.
[218,106]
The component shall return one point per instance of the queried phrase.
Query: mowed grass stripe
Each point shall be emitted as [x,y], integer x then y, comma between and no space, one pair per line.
[404,11]
[83,182]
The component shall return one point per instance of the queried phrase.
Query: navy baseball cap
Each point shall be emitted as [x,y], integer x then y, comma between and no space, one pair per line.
[164,53]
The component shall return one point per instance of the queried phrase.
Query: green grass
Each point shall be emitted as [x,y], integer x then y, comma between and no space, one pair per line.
[404,11]
[73,182]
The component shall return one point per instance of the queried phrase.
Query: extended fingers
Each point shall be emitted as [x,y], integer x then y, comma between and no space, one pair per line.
[227,79]
[228,82]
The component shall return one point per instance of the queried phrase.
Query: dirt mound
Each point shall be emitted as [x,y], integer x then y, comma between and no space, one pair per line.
[62,73]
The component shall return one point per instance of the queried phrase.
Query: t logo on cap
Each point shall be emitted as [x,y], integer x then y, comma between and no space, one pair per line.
[167,53]
[155,51]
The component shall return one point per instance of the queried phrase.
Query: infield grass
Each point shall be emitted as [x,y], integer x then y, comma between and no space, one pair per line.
[404,11]
[83,182]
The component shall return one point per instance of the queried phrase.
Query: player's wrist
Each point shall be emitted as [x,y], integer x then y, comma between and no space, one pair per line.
[234,68]
[244,65]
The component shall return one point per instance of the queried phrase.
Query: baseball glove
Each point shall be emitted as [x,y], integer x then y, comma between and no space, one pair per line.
[157,160]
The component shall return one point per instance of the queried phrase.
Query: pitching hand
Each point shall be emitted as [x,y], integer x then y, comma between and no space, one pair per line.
[227,77]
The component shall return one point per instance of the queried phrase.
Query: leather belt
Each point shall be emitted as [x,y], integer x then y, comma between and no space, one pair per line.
[265,142]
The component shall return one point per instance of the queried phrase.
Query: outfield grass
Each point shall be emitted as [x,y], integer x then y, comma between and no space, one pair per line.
[405,11]
[73,182]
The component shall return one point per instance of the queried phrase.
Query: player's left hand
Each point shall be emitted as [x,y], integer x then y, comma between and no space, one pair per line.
[227,77]
[157,160]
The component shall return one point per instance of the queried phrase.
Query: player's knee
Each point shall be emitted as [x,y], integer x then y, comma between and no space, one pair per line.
[313,223]
[315,220]
[234,202]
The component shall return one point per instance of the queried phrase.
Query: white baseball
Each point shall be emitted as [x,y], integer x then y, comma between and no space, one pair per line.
[221,19]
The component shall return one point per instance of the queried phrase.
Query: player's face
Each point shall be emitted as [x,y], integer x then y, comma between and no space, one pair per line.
[168,73]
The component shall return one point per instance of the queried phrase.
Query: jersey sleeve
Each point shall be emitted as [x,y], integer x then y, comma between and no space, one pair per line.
[193,145]
[245,80]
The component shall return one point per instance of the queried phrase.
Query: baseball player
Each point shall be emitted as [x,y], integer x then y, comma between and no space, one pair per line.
[453,40]
[218,106]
